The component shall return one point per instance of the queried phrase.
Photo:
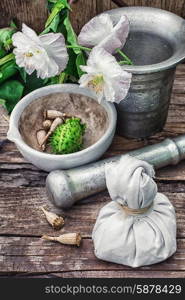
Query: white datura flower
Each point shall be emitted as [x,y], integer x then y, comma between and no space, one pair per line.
[105,76]
[102,32]
[47,54]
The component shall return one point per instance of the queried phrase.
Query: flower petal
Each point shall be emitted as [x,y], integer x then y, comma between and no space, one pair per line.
[84,82]
[47,70]
[30,33]
[100,31]
[111,43]
[103,62]
[46,54]
[56,49]
[121,30]
[21,41]
[118,37]
[88,69]
[115,80]
[120,84]
[100,96]
[85,79]
[109,92]
[95,30]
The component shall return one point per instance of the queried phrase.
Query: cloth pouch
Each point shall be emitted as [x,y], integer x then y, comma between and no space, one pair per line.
[138,227]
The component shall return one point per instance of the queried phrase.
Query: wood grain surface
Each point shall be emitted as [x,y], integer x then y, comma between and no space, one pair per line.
[22,223]
[34,12]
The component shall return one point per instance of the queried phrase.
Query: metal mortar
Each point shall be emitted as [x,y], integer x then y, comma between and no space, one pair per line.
[67,187]
[156,44]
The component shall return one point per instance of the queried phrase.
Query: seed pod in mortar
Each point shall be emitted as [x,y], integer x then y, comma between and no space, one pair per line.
[41,135]
[53,114]
[56,122]
[47,124]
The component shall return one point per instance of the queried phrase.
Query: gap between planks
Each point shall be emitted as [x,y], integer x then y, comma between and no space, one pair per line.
[22,254]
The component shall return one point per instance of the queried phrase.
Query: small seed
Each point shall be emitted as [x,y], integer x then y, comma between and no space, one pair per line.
[47,124]
[41,135]
[55,221]
[66,239]
[56,122]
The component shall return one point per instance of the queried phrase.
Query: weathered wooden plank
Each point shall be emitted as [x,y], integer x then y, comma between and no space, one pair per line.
[31,12]
[82,12]
[20,213]
[23,254]
[18,175]
[104,5]
[109,274]
[177,7]
[26,175]
[34,12]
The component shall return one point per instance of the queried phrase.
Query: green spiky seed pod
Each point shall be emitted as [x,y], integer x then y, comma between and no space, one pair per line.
[68,137]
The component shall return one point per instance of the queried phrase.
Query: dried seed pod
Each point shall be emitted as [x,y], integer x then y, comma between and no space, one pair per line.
[56,122]
[47,124]
[66,239]
[56,222]
[53,114]
[41,135]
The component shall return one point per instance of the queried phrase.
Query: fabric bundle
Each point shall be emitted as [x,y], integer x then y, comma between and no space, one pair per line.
[138,227]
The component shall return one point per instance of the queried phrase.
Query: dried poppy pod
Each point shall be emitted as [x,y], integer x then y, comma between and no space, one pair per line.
[55,221]
[56,122]
[53,114]
[41,135]
[66,239]
[47,124]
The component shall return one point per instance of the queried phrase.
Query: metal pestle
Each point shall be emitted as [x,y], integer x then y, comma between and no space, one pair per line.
[67,187]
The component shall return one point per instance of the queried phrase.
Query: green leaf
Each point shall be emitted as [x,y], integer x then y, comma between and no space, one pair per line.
[80,61]
[2,51]
[33,83]
[53,80]
[5,59]
[22,73]
[13,25]
[12,92]
[53,25]
[71,68]
[59,5]
[8,70]
[6,37]
[64,1]
[71,35]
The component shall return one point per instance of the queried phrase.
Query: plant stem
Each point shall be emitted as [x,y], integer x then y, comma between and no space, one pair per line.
[62,77]
[6,58]
[79,47]
[123,62]
[129,62]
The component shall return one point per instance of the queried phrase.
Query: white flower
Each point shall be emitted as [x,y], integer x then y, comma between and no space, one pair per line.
[47,54]
[105,76]
[101,31]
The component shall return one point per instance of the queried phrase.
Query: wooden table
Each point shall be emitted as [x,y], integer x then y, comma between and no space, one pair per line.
[22,191]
